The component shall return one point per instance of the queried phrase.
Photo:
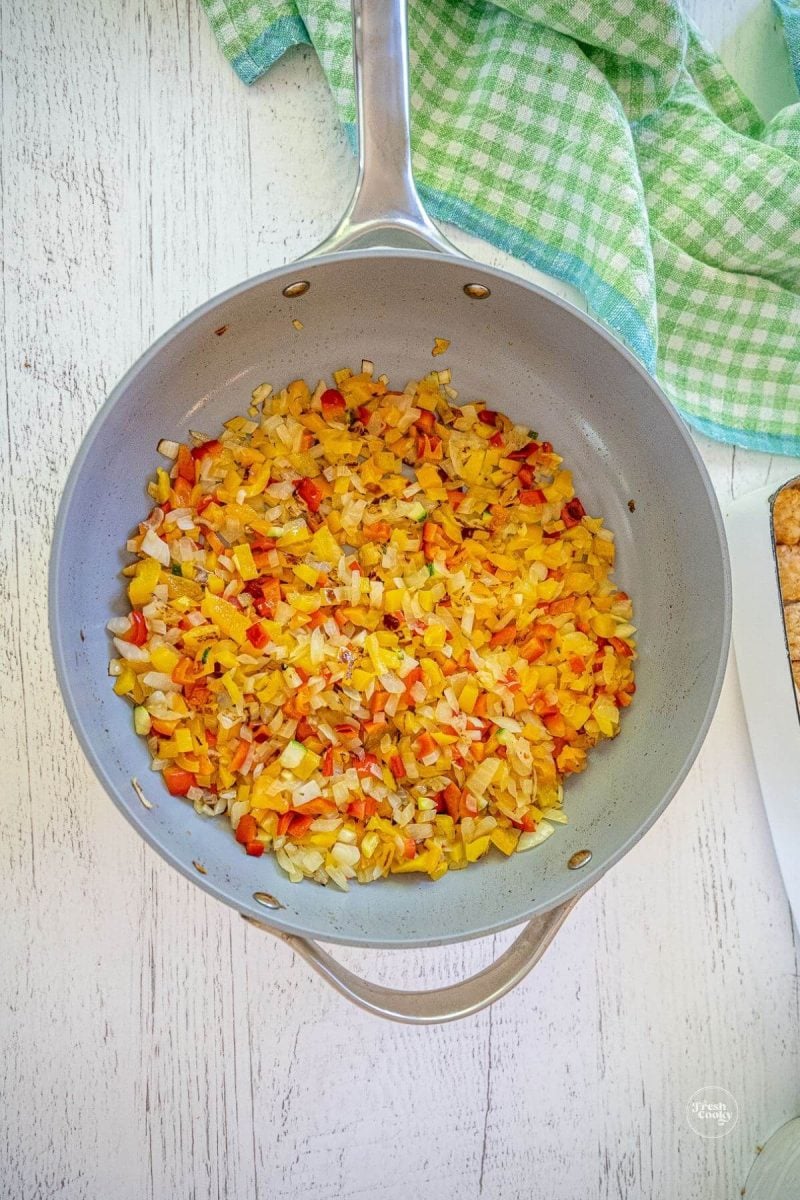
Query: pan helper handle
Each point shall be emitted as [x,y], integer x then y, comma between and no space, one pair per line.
[443,1004]
[385,209]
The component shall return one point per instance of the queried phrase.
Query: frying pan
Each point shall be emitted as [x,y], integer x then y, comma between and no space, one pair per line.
[382,287]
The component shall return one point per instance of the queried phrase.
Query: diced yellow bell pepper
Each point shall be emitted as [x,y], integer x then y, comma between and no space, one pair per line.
[163,485]
[476,849]
[269,691]
[306,573]
[360,679]
[293,536]
[435,636]
[228,619]
[305,602]
[393,600]
[604,625]
[183,740]
[504,839]
[325,547]
[140,588]
[456,855]
[243,557]
[215,585]
[232,688]
[164,659]
[325,840]
[424,862]
[308,766]
[471,471]
[258,480]
[199,635]
[469,696]
[125,681]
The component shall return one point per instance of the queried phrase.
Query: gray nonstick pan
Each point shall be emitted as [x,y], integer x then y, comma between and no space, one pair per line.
[382,287]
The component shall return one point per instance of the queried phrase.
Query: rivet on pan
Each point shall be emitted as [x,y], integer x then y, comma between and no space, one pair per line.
[476,291]
[267,900]
[296,289]
[579,859]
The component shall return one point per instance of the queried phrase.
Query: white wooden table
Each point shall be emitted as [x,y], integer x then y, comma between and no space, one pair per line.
[151,1045]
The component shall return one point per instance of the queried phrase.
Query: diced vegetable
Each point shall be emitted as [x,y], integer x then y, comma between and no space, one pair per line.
[375,630]
[178,781]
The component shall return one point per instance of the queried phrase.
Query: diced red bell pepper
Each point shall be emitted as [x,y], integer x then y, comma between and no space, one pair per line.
[547,448]
[555,725]
[363,414]
[309,493]
[572,512]
[456,499]
[299,823]
[531,496]
[257,636]
[333,404]
[414,676]
[186,466]
[266,593]
[621,647]
[524,452]
[357,809]
[497,440]
[206,449]
[378,531]
[247,829]
[503,637]
[488,417]
[255,849]
[327,763]
[183,487]
[178,781]
[525,476]
[409,848]
[432,447]
[239,755]
[424,745]
[451,798]
[426,421]
[374,724]
[363,765]
[397,767]
[137,634]
[304,730]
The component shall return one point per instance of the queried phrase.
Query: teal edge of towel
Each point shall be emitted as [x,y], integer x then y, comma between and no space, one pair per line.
[789,12]
[268,47]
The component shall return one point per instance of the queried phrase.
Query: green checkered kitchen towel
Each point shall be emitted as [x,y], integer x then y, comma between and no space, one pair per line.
[603,142]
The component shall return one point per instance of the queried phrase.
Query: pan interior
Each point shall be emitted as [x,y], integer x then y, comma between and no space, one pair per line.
[546,366]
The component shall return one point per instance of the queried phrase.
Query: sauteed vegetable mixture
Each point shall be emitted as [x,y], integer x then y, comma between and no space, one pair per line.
[377,629]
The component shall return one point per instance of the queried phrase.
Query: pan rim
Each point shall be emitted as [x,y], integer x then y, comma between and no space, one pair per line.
[221,890]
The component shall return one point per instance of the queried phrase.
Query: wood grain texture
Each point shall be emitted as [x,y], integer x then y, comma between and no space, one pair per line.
[151,1045]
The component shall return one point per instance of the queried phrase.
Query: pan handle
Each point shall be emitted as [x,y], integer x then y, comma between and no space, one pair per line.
[443,1004]
[385,209]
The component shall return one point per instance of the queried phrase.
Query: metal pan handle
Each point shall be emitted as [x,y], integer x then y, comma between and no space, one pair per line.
[443,1004]
[385,209]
